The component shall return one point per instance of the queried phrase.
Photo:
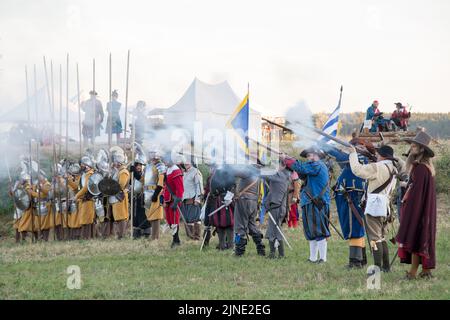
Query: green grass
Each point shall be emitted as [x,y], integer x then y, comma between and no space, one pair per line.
[140,269]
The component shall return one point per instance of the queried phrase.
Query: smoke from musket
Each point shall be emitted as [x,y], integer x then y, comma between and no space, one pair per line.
[300,118]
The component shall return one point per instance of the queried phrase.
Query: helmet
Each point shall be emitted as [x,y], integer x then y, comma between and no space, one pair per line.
[24,176]
[119,158]
[74,168]
[102,161]
[87,161]
[139,154]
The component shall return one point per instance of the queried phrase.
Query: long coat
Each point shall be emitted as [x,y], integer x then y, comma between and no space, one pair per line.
[174,182]
[120,209]
[25,223]
[74,217]
[86,208]
[156,211]
[417,231]
[46,220]
[355,187]
[315,222]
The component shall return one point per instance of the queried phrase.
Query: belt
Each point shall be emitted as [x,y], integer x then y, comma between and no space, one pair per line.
[188,201]
[150,187]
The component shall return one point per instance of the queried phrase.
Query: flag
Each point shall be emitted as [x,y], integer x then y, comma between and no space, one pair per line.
[239,122]
[331,126]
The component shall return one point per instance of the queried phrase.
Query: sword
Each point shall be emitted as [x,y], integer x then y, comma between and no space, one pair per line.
[279,230]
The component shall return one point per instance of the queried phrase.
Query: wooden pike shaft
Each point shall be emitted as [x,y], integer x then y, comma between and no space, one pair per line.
[110,104]
[126,97]
[29,142]
[79,111]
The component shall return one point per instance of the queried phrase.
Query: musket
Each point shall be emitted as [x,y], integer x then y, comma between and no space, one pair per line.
[328,136]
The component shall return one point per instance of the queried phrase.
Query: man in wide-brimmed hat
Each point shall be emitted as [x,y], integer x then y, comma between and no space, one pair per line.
[400,116]
[349,191]
[315,201]
[417,233]
[93,117]
[381,180]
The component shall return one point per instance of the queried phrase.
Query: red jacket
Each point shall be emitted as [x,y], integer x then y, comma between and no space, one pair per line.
[402,115]
[174,181]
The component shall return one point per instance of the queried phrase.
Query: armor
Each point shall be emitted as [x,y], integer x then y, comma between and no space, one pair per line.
[87,161]
[21,198]
[18,213]
[102,161]
[152,171]
[93,183]
[99,209]
[112,198]
[140,156]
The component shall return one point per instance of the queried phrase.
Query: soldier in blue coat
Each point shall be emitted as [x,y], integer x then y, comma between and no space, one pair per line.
[314,200]
[349,191]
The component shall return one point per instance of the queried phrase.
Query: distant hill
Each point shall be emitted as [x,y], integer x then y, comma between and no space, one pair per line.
[436,124]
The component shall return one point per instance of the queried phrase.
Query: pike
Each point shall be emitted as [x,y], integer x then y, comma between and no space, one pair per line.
[60,144]
[94,119]
[79,110]
[67,145]
[38,156]
[132,208]
[29,149]
[110,103]
[54,167]
[126,97]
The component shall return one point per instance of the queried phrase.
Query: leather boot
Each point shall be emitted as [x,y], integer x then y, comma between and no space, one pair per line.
[17,237]
[207,235]
[355,257]
[272,250]
[197,230]
[281,249]
[155,229]
[221,235]
[378,255]
[386,263]
[260,248]
[364,257]
[240,244]
[176,239]
[229,237]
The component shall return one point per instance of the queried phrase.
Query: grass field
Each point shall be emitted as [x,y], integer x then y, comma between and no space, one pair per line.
[139,269]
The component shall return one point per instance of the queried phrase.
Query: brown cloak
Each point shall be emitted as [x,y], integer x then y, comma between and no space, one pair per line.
[417,232]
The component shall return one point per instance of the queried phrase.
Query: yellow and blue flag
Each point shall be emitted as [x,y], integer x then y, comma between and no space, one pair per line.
[239,122]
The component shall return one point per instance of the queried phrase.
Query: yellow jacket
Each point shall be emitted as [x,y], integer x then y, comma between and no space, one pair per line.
[86,209]
[120,209]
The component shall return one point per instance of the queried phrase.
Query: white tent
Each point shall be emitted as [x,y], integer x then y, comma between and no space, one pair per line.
[211,105]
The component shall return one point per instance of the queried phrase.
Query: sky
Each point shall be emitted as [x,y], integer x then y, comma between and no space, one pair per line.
[286,51]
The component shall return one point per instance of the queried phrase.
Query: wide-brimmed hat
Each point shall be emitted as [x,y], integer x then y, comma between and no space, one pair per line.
[315,150]
[386,152]
[423,139]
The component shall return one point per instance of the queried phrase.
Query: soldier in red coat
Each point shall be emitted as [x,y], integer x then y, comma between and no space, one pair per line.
[417,232]
[400,116]
[173,195]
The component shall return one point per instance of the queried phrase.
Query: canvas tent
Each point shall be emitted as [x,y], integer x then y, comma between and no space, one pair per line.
[211,105]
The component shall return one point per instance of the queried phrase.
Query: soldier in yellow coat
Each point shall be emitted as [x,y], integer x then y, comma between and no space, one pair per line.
[45,209]
[153,186]
[73,219]
[29,222]
[85,202]
[119,202]
[18,213]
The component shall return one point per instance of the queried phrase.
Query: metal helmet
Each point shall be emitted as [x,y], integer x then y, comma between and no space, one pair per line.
[154,153]
[74,169]
[119,158]
[116,149]
[102,161]
[24,176]
[140,156]
[87,161]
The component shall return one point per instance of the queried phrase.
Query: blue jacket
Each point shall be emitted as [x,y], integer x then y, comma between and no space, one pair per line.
[316,173]
[347,179]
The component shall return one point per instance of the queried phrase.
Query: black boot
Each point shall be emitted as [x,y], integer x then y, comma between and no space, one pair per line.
[272,250]
[239,249]
[207,235]
[260,248]
[355,257]
[221,235]
[386,263]
[364,257]
[281,249]
[175,240]
[229,238]
[378,254]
